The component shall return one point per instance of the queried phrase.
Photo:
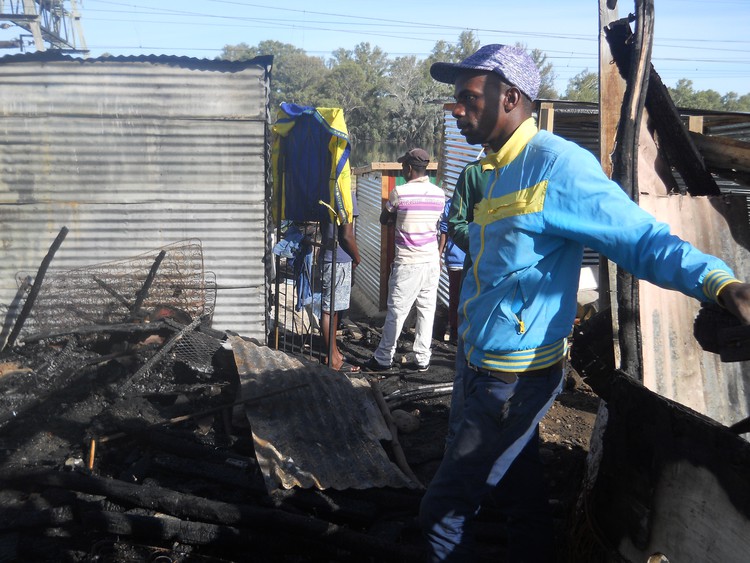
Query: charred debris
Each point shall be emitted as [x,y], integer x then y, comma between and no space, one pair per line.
[120,441]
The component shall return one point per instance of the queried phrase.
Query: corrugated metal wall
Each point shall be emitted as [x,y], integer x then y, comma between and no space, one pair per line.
[131,154]
[369,202]
[456,153]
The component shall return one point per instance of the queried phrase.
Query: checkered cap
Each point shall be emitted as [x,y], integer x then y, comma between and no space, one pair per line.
[514,65]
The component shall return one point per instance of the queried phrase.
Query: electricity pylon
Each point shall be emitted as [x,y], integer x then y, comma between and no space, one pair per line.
[51,25]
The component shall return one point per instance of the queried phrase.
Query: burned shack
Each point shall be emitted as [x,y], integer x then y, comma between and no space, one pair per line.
[666,479]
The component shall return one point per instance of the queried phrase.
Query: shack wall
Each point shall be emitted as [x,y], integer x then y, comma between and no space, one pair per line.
[132,154]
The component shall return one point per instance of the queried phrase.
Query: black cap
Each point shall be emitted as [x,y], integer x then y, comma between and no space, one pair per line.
[416,157]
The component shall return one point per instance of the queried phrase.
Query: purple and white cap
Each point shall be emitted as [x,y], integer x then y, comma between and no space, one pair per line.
[512,64]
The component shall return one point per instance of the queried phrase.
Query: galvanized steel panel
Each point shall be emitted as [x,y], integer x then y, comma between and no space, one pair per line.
[313,426]
[370,202]
[456,154]
[674,365]
[131,154]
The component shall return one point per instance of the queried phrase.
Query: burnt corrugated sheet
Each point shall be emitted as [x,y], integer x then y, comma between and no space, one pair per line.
[370,202]
[313,426]
[132,154]
[673,364]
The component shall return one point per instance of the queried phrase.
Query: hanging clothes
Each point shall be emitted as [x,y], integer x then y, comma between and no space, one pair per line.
[294,246]
[310,163]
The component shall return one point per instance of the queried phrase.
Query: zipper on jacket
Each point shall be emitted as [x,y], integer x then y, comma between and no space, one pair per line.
[519,320]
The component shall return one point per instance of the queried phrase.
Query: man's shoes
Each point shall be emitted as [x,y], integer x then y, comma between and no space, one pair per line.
[373,365]
[416,366]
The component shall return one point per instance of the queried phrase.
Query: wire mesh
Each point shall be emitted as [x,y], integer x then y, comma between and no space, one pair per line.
[107,293]
[297,316]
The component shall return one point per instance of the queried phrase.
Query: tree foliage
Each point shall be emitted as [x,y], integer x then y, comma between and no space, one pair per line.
[583,87]
[391,104]
[685,96]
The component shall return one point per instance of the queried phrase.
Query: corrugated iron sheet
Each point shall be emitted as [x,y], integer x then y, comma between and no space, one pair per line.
[313,426]
[673,363]
[456,154]
[370,202]
[132,154]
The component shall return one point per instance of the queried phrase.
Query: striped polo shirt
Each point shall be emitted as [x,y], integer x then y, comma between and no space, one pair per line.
[419,205]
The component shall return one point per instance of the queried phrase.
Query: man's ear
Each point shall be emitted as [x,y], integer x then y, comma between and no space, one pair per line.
[512,98]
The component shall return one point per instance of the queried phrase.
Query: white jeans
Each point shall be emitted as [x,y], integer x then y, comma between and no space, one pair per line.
[410,284]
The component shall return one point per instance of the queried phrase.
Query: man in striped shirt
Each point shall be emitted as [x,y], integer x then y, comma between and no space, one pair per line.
[415,207]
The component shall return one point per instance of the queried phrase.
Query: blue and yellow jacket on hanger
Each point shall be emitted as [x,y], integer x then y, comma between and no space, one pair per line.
[310,163]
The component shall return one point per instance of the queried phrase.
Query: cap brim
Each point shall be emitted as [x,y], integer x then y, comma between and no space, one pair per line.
[445,72]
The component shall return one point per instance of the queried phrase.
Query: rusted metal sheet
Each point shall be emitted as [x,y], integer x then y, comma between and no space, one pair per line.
[673,363]
[135,153]
[316,427]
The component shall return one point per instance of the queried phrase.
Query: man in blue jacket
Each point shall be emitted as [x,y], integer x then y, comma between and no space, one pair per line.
[542,200]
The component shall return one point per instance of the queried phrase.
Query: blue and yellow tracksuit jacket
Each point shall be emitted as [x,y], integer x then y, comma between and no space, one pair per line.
[544,199]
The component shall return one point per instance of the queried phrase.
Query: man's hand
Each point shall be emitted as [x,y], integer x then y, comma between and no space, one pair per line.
[735,298]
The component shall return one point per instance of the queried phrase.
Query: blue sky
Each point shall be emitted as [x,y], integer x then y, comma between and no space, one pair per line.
[704,41]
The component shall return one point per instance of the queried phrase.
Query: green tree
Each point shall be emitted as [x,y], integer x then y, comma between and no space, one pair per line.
[444,52]
[731,101]
[345,86]
[367,118]
[295,76]
[414,113]
[547,74]
[682,94]
[583,87]
[685,96]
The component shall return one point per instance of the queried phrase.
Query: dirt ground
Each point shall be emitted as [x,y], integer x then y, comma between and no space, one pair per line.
[565,431]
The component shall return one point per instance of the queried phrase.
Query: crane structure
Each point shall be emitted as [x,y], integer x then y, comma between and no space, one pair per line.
[50,24]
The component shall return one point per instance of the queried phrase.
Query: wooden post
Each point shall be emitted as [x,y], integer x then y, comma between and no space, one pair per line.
[547,116]
[611,93]
[695,123]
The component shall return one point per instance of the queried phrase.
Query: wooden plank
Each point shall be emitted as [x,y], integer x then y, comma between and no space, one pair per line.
[723,153]
[695,124]
[547,116]
[625,173]
[611,91]
[611,94]
[673,134]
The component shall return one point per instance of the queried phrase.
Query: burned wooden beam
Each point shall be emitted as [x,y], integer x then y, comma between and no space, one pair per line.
[726,157]
[99,329]
[674,137]
[29,303]
[201,509]
[151,528]
[143,292]
[625,173]
[266,546]
[212,472]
